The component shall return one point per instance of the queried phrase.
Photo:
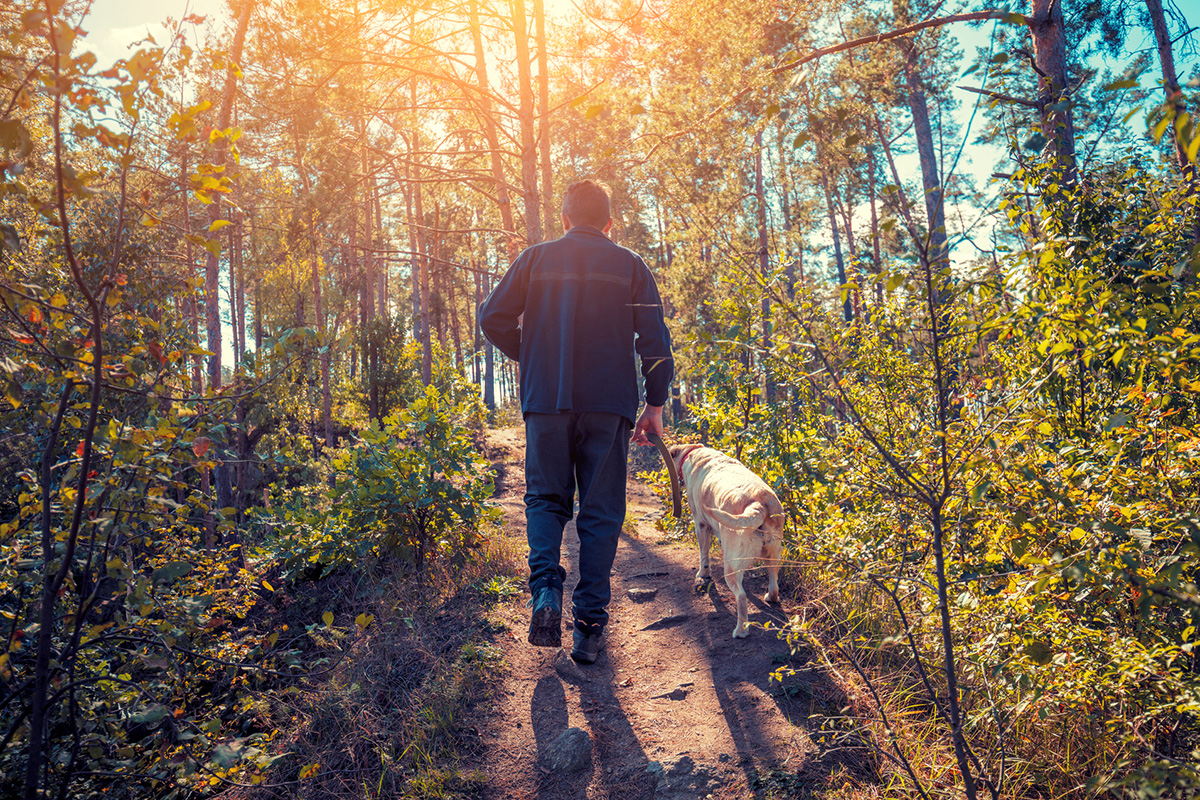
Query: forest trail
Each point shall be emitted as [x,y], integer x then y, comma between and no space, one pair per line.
[674,708]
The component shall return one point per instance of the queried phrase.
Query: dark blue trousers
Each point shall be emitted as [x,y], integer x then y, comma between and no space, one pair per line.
[563,451]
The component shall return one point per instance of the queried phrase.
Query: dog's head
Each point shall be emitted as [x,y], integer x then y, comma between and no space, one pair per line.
[679,453]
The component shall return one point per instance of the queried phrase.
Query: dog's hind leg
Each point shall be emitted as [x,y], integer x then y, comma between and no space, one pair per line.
[774,558]
[704,539]
[735,569]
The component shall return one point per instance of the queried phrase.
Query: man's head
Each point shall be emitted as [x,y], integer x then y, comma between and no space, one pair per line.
[587,203]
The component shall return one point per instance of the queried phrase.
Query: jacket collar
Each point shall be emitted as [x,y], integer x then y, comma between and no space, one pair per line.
[585,230]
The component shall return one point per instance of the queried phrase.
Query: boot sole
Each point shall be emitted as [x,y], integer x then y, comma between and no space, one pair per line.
[545,628]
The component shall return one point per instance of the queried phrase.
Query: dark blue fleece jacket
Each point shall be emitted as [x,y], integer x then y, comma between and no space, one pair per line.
[588,305]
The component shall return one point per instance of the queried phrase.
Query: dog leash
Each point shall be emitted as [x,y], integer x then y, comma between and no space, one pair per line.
[676,494]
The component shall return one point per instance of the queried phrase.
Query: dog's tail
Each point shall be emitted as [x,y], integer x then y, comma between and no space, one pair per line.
[755,514]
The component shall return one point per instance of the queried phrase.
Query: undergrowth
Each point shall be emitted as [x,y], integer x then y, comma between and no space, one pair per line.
[388,721]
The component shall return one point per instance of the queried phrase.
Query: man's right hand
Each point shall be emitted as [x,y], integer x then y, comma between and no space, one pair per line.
[649,422]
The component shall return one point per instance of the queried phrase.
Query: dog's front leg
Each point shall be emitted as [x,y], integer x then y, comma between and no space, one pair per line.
[704,539]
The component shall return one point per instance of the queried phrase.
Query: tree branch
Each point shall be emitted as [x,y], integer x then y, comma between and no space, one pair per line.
[974,16]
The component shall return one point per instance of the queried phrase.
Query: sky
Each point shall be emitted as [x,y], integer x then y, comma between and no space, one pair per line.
[113,25]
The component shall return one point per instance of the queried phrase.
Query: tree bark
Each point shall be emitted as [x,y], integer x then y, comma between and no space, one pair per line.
[548,215]
[504,205]
[764,263]
[935,244]
[1050,56]
[212,272]
[421,279]
[529,154]
[1166,59]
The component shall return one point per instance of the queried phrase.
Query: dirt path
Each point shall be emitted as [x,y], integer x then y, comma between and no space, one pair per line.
[674,707]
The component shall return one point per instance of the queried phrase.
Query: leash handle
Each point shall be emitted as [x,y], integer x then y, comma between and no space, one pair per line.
[676,492]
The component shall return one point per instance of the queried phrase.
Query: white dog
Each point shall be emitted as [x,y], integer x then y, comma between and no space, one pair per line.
[726,497]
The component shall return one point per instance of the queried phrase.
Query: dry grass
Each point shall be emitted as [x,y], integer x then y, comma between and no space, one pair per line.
[386,721]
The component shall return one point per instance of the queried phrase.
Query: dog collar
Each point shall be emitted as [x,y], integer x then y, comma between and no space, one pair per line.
[688,453]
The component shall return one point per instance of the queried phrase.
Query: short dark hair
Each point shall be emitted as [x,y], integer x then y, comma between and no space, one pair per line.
[587,203]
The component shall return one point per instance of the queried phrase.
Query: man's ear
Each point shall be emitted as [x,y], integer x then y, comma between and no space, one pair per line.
[608,227]
[566,221]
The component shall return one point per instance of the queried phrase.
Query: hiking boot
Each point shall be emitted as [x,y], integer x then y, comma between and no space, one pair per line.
[588,640]
[545,624]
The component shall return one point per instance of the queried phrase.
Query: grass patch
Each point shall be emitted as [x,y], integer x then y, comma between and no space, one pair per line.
[388,720]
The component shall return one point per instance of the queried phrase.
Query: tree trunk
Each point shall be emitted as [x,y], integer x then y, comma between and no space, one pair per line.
[529,154]
[212,272]
[367,294]
[1050,56]
[764,263]
[489,131]
[934,247]
[1166,58]
[548,215]
[381,263]
[877,267]
[847,308]
[422,277]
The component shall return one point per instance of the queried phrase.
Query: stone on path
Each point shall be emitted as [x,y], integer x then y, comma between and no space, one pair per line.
[570,751]
[641,595]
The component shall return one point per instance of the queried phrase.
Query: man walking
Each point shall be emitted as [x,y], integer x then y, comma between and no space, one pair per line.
[587,305]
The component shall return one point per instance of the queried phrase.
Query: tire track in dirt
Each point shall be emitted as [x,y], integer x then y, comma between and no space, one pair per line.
[675,707]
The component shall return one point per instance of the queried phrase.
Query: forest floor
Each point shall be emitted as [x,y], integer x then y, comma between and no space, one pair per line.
[675,707]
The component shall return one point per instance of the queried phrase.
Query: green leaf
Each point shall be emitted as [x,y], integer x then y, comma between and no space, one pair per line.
[1117,420]
[12,391]
[172,572]
[1193,148]
[1116,86]
[1038,652]
[150,715]
[14,136]
[226,755]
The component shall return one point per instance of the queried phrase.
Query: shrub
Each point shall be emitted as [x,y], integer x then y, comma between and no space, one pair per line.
[415,487]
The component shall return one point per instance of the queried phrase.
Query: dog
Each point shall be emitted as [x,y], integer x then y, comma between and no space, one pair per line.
[728,498]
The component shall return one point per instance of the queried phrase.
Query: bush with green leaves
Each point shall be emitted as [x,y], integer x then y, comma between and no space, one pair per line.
[415,487]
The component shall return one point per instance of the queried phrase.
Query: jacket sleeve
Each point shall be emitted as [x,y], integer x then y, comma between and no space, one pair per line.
[653,341]
[499,314]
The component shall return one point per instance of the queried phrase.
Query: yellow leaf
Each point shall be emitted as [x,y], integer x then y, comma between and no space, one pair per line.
[327,618]
[363,620]
[218,224]
[1045,429]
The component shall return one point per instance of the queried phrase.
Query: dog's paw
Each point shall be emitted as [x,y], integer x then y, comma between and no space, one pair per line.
[702,584]
[772,598]
[740,632]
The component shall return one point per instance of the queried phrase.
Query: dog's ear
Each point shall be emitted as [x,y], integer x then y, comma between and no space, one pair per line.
[674,450]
